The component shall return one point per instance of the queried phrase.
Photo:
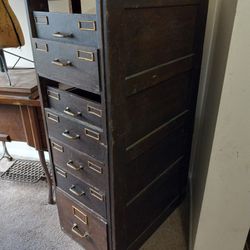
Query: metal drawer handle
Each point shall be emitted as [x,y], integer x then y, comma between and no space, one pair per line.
[76,231]
[73,191]
[68,136]
[69,112]
[57,62]
[62,35]
[71,165]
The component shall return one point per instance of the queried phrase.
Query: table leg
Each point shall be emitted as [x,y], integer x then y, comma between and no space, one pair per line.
[6,153]
[48,177]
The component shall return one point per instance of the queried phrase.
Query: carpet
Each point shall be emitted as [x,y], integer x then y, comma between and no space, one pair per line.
[27,222]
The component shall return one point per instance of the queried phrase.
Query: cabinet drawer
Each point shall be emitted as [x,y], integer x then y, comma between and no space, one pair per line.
[79,135]
[66,63]
[69,28]
[83,192]
[79,223]
[74,103]
[78,164]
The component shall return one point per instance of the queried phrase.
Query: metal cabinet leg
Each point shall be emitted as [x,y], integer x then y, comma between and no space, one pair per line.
[48,177]
[6,153]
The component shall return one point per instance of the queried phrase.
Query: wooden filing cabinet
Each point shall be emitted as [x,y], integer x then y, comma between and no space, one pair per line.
[119,91]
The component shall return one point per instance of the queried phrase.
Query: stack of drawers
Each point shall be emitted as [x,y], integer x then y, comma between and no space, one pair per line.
[67,55]
[119,93]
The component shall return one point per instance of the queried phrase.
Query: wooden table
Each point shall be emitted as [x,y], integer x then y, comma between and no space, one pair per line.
[21,116]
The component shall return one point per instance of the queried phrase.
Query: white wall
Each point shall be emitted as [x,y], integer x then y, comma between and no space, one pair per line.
[221,168]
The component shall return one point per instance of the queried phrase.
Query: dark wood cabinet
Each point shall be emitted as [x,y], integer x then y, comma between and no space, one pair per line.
[119,91]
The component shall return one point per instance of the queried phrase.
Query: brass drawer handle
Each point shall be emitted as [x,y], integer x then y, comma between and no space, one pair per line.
[68,136]
[62,35]
[71,165]
[73,191]
[57,62]
[69,112]
[76,231]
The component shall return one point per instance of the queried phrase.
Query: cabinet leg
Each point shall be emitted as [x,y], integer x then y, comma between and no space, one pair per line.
[48,177]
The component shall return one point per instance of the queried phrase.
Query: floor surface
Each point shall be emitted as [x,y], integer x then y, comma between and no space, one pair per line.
[27,222]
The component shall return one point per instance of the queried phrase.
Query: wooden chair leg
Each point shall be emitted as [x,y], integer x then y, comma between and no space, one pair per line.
[48,177]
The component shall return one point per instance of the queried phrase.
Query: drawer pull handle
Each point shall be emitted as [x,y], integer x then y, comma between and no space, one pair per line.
[57,62]
[73,191]
[76,231]
[71,165]
[68,136]
[96,194]
[92,134]
[69,112]
[62,35]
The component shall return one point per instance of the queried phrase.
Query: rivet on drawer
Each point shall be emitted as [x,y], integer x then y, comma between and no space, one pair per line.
[94,111]
[53,95]
[80,215]
[92,134]
[87,25]
[42,47]
[96,194]
[94,167]
[53,117]
[57,147]
[42,20]
[85,55]
[61,172]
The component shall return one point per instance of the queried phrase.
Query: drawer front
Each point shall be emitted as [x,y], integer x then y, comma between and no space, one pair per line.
[80,165]
[69,28]
[67,63]
[79,135]
[83,192]
[74,106]
[78,222]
